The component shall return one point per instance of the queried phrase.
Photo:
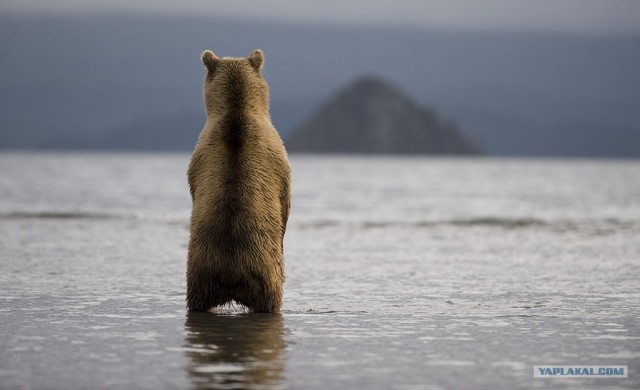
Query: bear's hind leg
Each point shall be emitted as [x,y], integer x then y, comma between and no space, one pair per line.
[260,300]
[205,296]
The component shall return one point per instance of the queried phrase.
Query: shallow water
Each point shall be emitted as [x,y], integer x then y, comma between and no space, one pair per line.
[401,273]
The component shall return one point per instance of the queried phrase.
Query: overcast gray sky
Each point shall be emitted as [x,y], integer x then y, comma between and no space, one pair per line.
[557,15]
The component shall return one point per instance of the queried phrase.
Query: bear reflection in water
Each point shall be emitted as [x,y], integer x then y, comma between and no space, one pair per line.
[234,351]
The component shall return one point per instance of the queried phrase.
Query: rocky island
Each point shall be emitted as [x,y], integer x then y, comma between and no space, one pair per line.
[372,116]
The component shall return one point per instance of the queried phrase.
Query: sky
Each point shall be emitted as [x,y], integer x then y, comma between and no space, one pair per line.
[579,16]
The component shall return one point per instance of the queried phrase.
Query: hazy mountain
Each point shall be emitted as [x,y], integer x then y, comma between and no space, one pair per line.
[112,81]
[372,116]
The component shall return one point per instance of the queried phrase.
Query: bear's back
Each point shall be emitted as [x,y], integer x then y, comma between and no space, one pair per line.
[238,184]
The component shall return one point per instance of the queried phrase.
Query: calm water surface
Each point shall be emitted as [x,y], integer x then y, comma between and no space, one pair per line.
[411,273]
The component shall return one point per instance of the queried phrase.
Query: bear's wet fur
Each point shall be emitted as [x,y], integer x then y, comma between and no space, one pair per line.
[239,178]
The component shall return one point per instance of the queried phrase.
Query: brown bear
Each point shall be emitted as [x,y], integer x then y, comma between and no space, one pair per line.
[239,178]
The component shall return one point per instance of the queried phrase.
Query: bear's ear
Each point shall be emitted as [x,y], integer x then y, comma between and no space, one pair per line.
[210,60]
[256,59]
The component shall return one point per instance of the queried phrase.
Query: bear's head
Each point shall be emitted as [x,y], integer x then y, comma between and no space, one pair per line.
[235,84]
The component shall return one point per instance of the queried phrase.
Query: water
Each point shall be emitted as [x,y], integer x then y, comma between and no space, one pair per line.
[422,273]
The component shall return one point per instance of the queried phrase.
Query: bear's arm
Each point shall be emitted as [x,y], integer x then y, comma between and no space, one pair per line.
[194,168]
[285,202]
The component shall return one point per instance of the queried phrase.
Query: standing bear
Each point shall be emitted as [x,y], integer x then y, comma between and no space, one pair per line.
[239,178]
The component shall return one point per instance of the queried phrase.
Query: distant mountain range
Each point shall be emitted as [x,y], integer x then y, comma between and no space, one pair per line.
[134,82]
[372,116]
